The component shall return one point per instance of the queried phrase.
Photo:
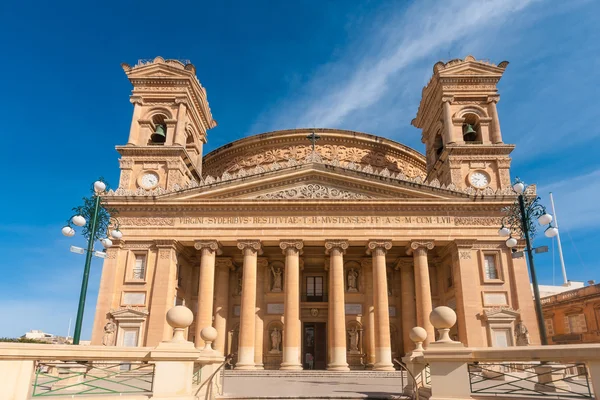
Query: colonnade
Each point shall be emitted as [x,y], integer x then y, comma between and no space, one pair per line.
[416,301]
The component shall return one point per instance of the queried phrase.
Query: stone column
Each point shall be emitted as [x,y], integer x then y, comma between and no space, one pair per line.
[250,249]
[496,135]
[367,266]
[291,313]
[336,249]
[224,265]
[180,128]
[134,130]
[423,287]
[448,125]
[259,334]
[208,250]
[383,347]
[409,315]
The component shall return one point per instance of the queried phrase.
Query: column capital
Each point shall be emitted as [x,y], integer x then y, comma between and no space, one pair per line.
[136,100]
[224,262]
[383,244]
[493,98]
[291,245]
[340,244]
[165,243]
[181,100]
[425,245]
[210,245]
[404,263]
[250,244]
[447,99]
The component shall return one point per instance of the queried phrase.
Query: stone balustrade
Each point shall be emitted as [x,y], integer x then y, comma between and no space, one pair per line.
[172,364]
[539,369]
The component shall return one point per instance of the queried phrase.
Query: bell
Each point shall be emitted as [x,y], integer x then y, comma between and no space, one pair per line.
[159,134]
[468,130]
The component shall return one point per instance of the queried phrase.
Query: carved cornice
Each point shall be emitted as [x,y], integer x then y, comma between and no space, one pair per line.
[340,244]
[379,244]
[209,245]
[464,243]
[291,246]
[250,244]
[313,191]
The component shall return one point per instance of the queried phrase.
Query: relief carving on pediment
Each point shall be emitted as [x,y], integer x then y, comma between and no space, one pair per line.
[313,191]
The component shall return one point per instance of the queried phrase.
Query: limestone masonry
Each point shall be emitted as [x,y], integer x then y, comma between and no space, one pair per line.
[314,253]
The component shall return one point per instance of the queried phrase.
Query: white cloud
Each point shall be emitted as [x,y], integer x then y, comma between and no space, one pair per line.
[576,199]
[339,90]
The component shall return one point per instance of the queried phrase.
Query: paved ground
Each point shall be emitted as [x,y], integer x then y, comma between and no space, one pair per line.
[312,387]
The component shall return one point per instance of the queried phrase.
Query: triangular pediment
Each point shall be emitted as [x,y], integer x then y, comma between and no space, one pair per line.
[314,181]
[476,68]
[129,313]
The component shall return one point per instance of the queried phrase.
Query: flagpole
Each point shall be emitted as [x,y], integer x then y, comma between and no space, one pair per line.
[560,253]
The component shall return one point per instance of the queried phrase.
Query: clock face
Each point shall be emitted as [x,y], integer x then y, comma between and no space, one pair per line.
[149,180]
[479,180]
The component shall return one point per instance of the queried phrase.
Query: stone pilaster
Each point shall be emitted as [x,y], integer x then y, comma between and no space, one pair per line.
[336,250]
[496,134]
[259,335]
[223,266]
[422,286]
[208,250]
[409,314]
[383,348]
[164,289]
[250,250]
[291,331]
[367,267]
[108,289]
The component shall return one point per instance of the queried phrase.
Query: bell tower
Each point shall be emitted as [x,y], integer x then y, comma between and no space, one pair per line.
[461,128]
[171,116]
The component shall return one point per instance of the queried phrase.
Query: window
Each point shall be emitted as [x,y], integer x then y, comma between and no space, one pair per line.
[314,288]
[575,323]
[489,265]
[549,326]
[139,269]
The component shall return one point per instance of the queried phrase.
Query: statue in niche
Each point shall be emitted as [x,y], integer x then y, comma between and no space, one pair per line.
[275,340]
[110,330]
[353,333]
[352,280]
[522,334]
[276,279]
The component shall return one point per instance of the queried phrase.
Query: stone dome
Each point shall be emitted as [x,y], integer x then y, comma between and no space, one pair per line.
[273,150]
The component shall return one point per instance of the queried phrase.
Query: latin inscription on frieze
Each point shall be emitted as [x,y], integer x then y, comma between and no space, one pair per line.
[317,220]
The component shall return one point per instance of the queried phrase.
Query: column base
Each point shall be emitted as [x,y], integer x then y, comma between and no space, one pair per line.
[290,367]
[338,367]
[259,366]
[245,366]
[383,367]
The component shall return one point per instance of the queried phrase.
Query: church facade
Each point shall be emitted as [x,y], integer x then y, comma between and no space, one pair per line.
[313,248]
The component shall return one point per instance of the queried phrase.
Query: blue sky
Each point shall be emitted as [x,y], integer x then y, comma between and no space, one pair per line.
[269,65]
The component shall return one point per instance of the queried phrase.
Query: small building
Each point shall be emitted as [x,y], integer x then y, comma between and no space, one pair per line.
[573,316]
[36,334]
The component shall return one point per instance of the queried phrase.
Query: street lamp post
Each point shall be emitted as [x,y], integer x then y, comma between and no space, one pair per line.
[519,221]
[95,219]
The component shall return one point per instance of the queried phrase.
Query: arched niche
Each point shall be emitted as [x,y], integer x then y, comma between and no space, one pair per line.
[352,277]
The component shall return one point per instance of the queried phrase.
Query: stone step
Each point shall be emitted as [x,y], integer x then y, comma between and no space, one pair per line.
[309,374]
[333,397]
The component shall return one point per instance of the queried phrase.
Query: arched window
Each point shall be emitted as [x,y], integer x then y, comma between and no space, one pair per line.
[471,129]
[159,130]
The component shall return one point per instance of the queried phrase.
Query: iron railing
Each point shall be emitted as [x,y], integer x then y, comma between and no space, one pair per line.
[87,378]
[220,371]
[569,381]
[415,387]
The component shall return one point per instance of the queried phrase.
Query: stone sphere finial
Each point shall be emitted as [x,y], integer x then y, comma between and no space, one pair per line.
[179,318]
[418,335]
[209,335]
[443,318]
